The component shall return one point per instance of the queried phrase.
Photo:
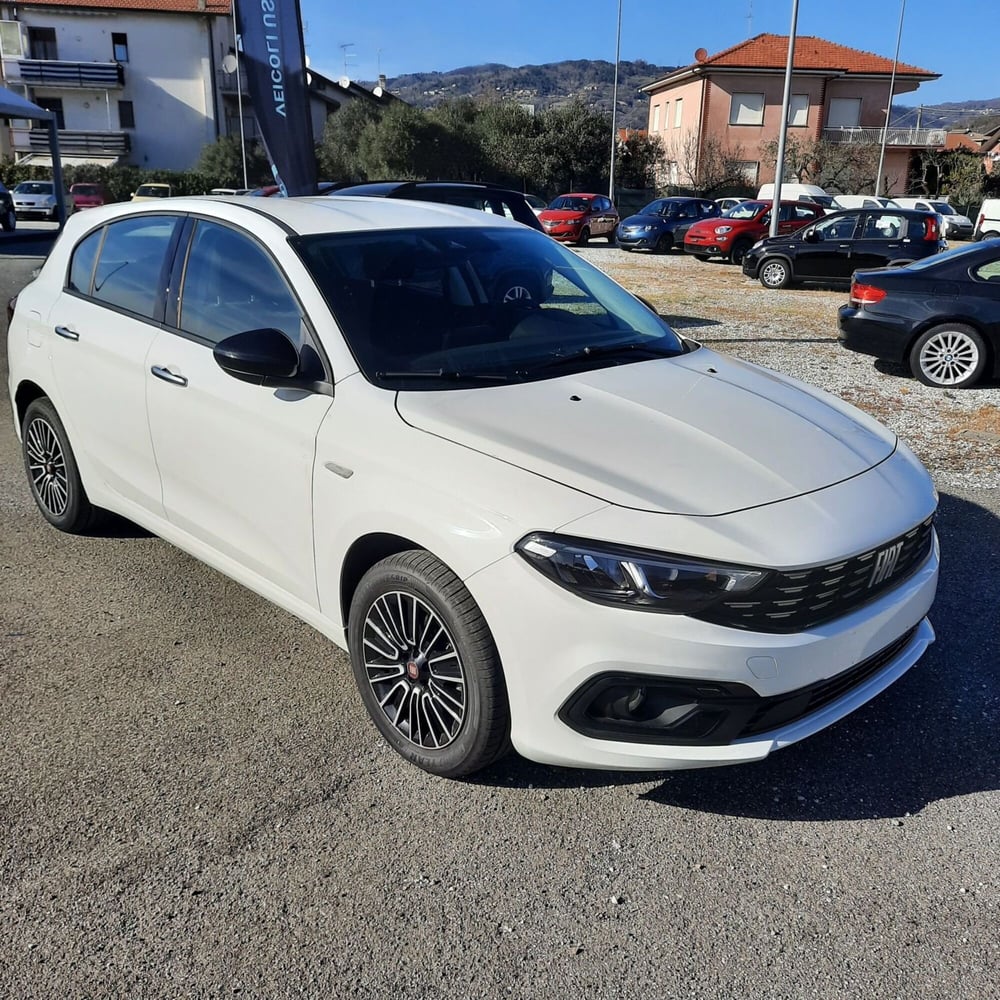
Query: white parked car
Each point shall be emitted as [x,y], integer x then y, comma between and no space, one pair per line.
[37,199]
[531,511]
[954,225]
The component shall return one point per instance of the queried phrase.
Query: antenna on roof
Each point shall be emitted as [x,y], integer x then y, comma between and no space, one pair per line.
[749,18]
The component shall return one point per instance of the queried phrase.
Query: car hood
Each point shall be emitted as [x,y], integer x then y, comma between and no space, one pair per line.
[552,215]
[649,220]
[700,434]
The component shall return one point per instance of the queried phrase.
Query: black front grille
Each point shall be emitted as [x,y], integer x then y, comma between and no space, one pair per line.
[793,602]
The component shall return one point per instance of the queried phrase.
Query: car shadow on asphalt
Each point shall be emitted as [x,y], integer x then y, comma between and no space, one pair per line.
[930,736]
[903,371]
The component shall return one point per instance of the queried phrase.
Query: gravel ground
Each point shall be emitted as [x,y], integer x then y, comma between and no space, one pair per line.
[794,331]
[194,805]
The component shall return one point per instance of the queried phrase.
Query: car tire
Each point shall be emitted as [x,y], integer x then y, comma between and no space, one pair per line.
[989,236]
[949,356]
[738,251]
[665,243]
[584,237]
[409,612]
[774,272]
[9,220]
[53,476]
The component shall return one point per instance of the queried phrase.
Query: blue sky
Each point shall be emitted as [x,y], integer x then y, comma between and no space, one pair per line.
[956,39]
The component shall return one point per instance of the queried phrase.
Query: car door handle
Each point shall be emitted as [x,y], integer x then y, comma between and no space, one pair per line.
[67,333]
[168,376]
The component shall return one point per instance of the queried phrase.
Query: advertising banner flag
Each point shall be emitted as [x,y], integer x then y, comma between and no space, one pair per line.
[274,60]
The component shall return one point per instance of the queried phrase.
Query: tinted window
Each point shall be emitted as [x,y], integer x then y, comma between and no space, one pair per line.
[231,284]
[988,272]
[837,227]
[130,268]
[887,227]
[81,268]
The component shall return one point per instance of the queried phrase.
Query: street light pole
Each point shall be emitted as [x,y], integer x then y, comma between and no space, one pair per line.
[779,167]
[888,109]
[614,105]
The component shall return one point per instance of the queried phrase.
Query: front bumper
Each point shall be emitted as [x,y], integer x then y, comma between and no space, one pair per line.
[553,644]
[712,247]
[637,241]
[565,234]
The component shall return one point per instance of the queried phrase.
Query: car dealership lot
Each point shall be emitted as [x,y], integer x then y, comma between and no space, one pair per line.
[193,802]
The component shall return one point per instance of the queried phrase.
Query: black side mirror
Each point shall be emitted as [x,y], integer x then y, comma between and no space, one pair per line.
[812,236]
[260,357]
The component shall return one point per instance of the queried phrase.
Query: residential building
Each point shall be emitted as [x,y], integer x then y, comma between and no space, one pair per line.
[732,101]
[143,82]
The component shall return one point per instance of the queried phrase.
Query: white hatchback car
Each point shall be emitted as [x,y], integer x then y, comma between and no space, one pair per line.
[531,511]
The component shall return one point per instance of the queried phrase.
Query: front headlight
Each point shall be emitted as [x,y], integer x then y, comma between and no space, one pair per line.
[722,230]
[635,578]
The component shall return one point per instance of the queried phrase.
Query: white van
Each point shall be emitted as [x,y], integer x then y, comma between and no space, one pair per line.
[863,201]
[953,225]
[812,193]
[988,220]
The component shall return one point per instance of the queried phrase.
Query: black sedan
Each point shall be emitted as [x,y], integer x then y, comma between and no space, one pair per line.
[833,248]
[661,225]
[940,316]
[8,217]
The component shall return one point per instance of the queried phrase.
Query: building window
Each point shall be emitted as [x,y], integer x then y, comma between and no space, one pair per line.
[119,46]
[798,111]
[656,117]
[678,111]
[126,114]
[845,112]
[746,109]
[11,45]
[750,170]
[55,105]
[42,42]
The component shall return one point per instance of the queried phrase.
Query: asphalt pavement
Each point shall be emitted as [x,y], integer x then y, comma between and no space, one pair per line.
[194,804]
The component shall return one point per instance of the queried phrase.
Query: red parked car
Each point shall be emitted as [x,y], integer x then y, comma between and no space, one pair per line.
[733,233]
[575,218]
[88,195]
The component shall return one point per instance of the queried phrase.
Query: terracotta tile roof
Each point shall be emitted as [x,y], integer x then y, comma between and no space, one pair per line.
[169,6]
[771,52]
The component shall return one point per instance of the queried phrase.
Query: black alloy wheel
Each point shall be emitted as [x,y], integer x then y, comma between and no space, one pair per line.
[52,471]
[427,667]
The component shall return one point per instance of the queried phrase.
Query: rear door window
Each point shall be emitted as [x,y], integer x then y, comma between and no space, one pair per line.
[130,269]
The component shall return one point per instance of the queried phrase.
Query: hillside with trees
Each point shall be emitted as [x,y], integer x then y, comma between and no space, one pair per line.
[587,82]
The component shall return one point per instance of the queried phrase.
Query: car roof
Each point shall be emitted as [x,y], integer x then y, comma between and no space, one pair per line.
[302,216]
[384,188]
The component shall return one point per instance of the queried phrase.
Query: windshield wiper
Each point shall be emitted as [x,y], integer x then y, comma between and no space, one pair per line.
[632,350]
[452,376]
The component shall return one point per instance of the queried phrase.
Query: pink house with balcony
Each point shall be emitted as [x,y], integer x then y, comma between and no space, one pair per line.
[839,94]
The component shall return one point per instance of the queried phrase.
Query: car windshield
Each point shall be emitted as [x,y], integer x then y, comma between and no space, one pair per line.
[566,204]
[460,307]
[86,189]
[661,207]
[943,208]
[153,191]
[33,187]
[746,210]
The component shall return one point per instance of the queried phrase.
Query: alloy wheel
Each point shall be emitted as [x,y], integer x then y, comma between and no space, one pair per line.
[47,466]
[949,357]
[414,670]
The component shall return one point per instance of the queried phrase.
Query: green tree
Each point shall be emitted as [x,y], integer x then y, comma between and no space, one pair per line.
[222,162]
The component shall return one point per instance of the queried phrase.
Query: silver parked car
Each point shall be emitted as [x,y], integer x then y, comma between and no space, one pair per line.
[37,200]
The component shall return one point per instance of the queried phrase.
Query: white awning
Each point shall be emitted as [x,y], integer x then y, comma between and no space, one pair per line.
[45,160]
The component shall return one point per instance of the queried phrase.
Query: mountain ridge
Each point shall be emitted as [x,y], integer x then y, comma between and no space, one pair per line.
[546,85]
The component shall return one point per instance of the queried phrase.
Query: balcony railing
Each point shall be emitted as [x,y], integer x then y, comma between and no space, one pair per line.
[60,74]
[72,142]
[893,136]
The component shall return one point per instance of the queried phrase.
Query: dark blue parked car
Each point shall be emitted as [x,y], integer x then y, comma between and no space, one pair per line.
[661,225]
